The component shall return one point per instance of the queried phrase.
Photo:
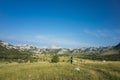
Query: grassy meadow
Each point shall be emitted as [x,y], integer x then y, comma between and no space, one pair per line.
[63,70]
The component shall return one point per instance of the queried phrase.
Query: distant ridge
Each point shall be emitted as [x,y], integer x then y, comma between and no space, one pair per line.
[8,51]
[117,47]
[60,50]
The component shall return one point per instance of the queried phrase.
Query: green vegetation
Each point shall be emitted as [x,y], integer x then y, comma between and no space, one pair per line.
[111,55]
[13,55]
[55,59]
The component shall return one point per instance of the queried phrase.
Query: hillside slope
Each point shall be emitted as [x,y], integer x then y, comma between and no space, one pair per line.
[111,54]
[11,54]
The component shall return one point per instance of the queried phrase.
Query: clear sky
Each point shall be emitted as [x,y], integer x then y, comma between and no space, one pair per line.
[65,23]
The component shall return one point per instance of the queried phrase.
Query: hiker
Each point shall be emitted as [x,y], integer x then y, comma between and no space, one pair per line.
[71,59]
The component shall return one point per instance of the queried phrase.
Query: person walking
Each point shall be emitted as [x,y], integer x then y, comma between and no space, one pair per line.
[71,59]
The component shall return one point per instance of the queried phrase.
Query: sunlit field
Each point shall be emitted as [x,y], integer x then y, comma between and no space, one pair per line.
[79,70]
[59,39]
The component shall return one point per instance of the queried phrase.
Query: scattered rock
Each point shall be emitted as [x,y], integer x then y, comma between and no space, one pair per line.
[74,61]
[77,69]
[104,61]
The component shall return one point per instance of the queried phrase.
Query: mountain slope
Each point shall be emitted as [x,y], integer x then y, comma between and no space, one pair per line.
[8,51]
[7,54]
[112,55]
[117,47]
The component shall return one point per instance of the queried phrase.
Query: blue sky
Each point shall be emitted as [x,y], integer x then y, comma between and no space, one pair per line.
[65,23]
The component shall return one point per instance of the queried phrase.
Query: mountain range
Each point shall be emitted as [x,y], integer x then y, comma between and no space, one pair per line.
[58,50]
[109,52]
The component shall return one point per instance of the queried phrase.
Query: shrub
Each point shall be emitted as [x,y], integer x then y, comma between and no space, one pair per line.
[55,59]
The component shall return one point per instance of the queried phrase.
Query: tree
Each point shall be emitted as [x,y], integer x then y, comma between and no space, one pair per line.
[55,59]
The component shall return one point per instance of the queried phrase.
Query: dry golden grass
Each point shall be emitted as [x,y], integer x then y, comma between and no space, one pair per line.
[89,70]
